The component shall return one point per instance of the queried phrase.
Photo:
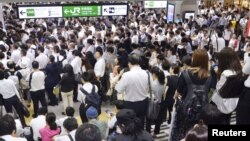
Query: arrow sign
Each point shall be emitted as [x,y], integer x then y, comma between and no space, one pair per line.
[66,11]
[22,12]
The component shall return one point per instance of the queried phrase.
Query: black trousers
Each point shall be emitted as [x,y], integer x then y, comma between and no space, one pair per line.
[51,96]
[157,122]
[36,97]
[139,107]
[14,102]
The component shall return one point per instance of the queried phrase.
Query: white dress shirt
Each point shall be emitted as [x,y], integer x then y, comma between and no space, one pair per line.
[58,57]
[66,137]
[36,124]
[135,85]
[8,89]
[11,138]
[4,61]
[70,56]
[37,81]
[43,60]
[88,88]
[15,55]
[221,43]
[76,64]
[99,68]
[31,54]
[25,60]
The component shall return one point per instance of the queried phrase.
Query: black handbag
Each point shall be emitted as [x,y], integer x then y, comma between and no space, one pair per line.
[24,109]
[233,86]
[153,106]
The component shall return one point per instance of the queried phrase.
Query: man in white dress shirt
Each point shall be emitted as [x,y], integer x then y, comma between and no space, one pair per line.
[70,125]
[16,53]
[70,56]
[8,129]
[10,96]
[99,68]
[38,123]
[135,85]
[70,111]
[76,63]
[37,87]
[42,59]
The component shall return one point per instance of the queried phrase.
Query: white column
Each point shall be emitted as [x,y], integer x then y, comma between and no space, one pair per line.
[178,5]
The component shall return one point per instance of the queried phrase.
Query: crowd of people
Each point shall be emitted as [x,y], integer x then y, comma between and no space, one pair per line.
[182,69]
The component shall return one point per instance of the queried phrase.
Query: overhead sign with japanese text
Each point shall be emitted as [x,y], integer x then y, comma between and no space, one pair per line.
[30,12]
[114,10]
[155,4]
[82,11]
[66,11]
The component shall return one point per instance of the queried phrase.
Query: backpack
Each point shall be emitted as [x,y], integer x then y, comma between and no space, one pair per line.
[60,65]
[93,98]
[13,77]
[196,98]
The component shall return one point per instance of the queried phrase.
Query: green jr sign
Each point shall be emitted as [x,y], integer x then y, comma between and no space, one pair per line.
[30,12]
[82,11]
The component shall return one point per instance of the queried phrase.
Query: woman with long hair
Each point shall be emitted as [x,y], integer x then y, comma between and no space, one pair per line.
[193,87]
[86,64]
[158,89]
[51,129]
[67,85]
[228,65]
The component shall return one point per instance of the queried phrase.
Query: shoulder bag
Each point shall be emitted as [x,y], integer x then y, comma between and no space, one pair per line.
[153,106]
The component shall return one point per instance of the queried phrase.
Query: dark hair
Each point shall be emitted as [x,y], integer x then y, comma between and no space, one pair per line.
[134,59]
[197,133]
[228,59]
[70,111]
[92,76]
[90,41]
[99,49]
[159,74]
[56,49]
[41,49]
[86,63]
[35,65]
[51,121]
[186,60]
[70,124]
[11,64]
[23,52]
[2,56]
[75,53]
[88,132]
[176,69]
[2,75]
[86,76]
[165,65]
[69,70]
[211,115]
[110,49]
[42,111]
[52,58]
[7,125]
[160,57]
